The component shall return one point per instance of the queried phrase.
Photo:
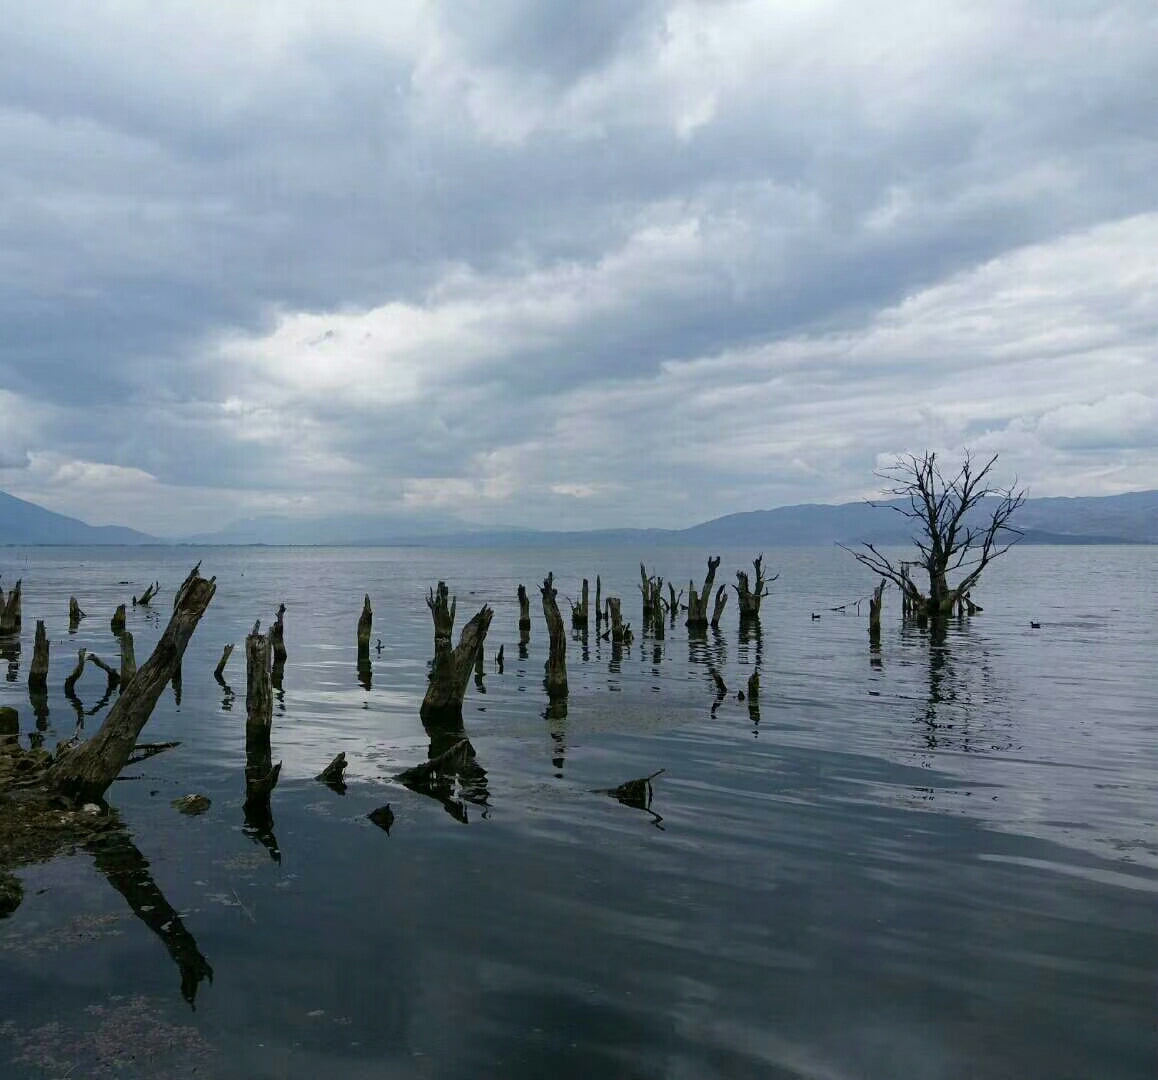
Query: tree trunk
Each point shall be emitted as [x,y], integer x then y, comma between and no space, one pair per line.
[556,678]
[77,672]
[219,671]
[875,605]
[277,639]
[128,659]
[442,608]
[365,627]
[74,615]
[598,601]
[117,622]
[260,772]
[86,772]
[721,603]
[38,671]
[579,611]
[747,597]
[452,668]
[524,610]
[10,611]
[698,601]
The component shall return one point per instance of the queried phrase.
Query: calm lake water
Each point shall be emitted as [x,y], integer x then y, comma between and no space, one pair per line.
[937,861]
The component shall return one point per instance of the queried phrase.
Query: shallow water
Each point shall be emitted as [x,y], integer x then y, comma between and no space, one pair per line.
[940,860]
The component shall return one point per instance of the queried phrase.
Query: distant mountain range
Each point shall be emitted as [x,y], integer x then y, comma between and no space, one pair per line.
[1111,519]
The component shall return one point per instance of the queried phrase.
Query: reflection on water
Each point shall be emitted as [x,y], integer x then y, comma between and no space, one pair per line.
[939,862]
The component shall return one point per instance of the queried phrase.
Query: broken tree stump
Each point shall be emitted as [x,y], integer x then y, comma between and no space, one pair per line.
[698,601]
[147,596]
[452,668]
[556,668]
[748,596]
[86,772]
[674,599]
[598,601]
[333,775]
[721,603]
[260,773]
[579,611]
[38,669]
[524,613]
[128,659]
[219,671]
[117,622]
[74,615]
[10,611]
[277,639]
[875,605]
[620,631]
[442,609]
[365,626]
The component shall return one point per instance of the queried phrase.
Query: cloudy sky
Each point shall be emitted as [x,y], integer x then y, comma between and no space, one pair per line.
[621,262]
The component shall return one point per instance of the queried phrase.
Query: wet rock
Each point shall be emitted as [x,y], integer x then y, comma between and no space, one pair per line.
[191,804]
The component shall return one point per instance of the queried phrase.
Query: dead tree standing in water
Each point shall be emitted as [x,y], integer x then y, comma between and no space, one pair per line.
[698,601]
[875,605]
[117,622]
[579,611]
[365,628]
[452,668]
[556,677]
[962,523]
[260,773]
[524,615]
[38,671]
[749,597]
[721,603]
[10,611]
[74,615]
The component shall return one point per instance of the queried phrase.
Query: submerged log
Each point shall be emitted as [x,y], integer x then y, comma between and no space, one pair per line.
[634,793]
[721,603]
[748,595]
[556,668]
[38,670]
[86,772]
[451,670]
[128,659]
[10,611]
[698,601]
[74,614]
[579,611]
[219,671]
[117,622]
[442,609]
[365,627]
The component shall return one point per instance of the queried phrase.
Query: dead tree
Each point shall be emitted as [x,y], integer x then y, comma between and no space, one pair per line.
[74,615]
[117,622]
[219,671]
[442,609]
[10,611]
[598,601]
[128,659]
[277,639]
[260,773]
[452,668]
[38,670]
[85,772]
[721,603]
[962,524]
[673,606]
[651,588]
[365,625]
[147,596]
[619,630]
[875,604]
[749,597]
[556,669]
[524,614]
[579,611]
[698,601]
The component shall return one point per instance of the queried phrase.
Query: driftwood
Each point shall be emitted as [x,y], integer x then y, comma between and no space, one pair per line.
[698,601]
[146,597]
[365,627]
[451,670]
[579,611]
[74,615]
[749,595]
[128,659]
[556,668]
[219,671]
[10,611]
[117,622]
[524,615]
[442,608]
[721,603]
[86,772]
[38,670]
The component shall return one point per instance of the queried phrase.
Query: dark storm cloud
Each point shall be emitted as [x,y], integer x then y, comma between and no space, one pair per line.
[511,210]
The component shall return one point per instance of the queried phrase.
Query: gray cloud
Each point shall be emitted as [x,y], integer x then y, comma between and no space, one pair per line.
[570,260]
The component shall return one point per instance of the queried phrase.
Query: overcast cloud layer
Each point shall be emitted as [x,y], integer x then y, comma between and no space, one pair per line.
[623,262]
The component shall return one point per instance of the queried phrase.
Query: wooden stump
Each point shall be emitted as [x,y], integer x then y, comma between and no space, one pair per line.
[749,596]
[128,659]
[556,668]
[598,601]
[698,601]
[673,605]
[219,671]
[579,613]
[77,672]
[74,615]
[277,638]
[451,670]
[721,603]
[260,773]
[86,772]
[875,604]
[10,611]
[147,596]
[524,611]
[442,608]
[38,670]
[620,631]
[117,622]
[365,626]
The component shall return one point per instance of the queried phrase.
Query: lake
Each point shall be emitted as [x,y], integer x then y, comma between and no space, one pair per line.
[939,860]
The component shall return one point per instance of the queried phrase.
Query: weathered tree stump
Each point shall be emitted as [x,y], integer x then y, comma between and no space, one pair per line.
[749,596]
[875,604]
[86,772]
[128,659]
[219,671]
[674,599]
[598,601]
[442,609]
[260,773]
[74,615]
[333,775]
[10,611]
[117,622]
[452,668]
[721,603]
[524,612]
[556,668]
[147,596]
[579,611]
[499,659]
[620,631]
[277,639]
[698,601]
[38,670]
[365,627]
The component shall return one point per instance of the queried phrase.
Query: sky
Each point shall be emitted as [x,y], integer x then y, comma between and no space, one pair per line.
[618,263]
